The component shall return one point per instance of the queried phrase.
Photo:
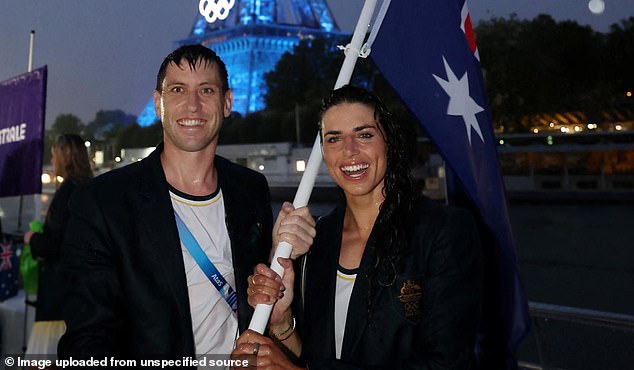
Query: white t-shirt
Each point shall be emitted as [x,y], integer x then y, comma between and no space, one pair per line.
[214,324]
[345,283]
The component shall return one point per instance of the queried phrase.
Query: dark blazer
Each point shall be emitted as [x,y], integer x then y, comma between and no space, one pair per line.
[426,319]
[47,248]
[127,292]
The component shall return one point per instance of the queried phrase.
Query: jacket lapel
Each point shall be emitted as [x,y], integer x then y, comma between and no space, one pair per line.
[358,313]
[239,222]
[322,282]
[155,212]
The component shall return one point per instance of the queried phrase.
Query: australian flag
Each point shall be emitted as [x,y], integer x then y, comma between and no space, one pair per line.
[9,267]
[426,50]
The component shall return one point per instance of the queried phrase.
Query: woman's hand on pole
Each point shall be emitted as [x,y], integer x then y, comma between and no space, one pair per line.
[296,227]
[266,287]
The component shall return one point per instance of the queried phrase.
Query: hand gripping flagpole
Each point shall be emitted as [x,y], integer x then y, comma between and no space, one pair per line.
[352,51]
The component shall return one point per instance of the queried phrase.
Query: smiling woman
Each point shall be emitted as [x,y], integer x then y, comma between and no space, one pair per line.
[392,279]
[354,149]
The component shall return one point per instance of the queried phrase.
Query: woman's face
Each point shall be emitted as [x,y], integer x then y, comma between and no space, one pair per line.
[354,149]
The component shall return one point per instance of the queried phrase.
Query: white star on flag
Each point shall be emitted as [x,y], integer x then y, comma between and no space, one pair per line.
[460,102]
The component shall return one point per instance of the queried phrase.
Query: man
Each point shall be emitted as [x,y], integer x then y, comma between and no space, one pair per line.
[141,239]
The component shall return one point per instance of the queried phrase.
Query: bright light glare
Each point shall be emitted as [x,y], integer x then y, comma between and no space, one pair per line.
[618,127]
[577,128]
[87,144]
[117,159]
[535,130]
[60,179]
[300,165]
[261,167]
[564,129]
[46,178]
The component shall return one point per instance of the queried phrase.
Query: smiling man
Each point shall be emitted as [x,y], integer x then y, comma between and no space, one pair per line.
[157,253]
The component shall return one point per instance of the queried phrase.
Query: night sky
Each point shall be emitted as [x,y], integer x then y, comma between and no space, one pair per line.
[105,54]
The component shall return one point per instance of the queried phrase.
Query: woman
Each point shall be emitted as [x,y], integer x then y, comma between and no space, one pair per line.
[392,280]
[71,166]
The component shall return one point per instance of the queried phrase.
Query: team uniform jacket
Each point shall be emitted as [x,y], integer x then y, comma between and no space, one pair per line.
[426,319]
[122,255]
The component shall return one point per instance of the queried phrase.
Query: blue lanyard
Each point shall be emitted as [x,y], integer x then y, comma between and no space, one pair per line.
[206,265]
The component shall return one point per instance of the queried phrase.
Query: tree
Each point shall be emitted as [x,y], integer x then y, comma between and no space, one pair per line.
[540,66]
[107,122]
[64,124]
[531,67]
[620,58]
[67,124]
[135,136]
[300,77]
[308,73]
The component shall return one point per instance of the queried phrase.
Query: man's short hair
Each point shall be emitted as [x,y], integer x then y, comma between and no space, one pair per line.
[193,54]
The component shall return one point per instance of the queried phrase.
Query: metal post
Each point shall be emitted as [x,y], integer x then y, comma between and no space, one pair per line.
[29,68]
[31,39]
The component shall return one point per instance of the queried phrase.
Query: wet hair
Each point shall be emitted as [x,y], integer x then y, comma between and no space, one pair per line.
[392,239]
[193,55]
[71,157]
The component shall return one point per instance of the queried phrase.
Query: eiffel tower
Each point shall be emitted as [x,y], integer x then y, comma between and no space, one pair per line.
[252,38]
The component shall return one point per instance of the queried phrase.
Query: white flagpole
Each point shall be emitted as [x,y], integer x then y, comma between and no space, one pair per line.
[31,38]
[263,311]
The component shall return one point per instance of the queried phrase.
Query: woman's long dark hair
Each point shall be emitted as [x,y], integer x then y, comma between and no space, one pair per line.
[391,237]
[72,158]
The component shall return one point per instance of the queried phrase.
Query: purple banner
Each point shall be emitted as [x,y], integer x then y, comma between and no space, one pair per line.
[22,107]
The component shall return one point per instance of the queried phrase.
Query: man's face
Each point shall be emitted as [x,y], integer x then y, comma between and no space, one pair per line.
[191,106]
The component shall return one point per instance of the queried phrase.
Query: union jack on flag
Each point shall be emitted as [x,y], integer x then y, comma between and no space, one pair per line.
[9,270]
[5,255]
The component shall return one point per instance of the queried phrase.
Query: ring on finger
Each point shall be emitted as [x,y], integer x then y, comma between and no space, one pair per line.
[256,348]
[253,278]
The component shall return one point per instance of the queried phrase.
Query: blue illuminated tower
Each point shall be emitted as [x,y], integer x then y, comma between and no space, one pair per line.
[252,39]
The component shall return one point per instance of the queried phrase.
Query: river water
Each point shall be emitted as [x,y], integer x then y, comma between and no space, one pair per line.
[579,255]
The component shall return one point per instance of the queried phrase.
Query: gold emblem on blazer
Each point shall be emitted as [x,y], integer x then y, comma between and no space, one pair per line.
[411,293]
